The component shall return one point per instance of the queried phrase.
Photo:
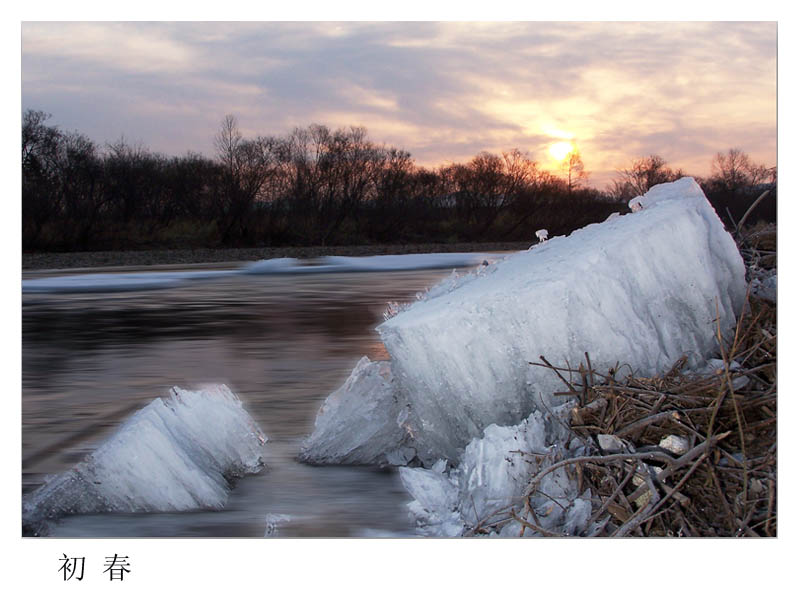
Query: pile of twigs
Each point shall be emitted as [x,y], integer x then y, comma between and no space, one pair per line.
[682,454]
[758,246]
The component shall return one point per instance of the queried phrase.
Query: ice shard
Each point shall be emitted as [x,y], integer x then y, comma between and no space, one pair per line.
[177,453]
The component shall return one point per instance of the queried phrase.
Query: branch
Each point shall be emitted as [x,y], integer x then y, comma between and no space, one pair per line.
[752,207]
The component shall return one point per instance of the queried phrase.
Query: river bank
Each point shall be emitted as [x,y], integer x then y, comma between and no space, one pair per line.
[85,260]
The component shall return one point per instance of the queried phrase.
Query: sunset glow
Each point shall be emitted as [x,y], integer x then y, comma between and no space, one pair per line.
[560,150]
[442,91]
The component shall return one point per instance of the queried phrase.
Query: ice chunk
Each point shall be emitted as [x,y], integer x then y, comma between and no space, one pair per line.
[766,289]
[404,262]
[578,515]
[382,262]
[716,366]
[739,383]
[682,190]
[174,454]
[492,479]
[273,266]
[642,289]
[496,467]
[363,422]
[117,282]
[435,505]
[372,533]
[153,280]
[273,522]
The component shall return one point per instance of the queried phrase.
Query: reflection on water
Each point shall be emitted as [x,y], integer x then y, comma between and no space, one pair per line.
[282,343]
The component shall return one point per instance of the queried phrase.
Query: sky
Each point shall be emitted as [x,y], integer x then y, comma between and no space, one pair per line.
[444,91]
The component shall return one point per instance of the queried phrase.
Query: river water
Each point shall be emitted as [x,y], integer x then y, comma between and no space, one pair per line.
[281,342]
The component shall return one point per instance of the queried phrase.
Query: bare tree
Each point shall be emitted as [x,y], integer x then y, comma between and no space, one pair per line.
[334,175]
[81,190]
[128,177]
[621,190]
[734,171]
[247,165]
[576,173]
[226,142]
[643,174]
[40,183]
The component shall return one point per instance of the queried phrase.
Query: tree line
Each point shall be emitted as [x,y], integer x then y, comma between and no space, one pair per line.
[316,186]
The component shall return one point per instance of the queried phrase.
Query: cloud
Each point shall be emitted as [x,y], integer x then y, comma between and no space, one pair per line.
[113,46]
[443,91]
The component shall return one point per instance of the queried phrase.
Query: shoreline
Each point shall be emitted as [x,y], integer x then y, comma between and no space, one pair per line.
[45,261]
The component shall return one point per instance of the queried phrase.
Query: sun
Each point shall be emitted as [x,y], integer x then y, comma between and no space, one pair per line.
[560,150]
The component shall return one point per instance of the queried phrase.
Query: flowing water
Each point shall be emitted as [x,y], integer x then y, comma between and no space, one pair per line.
[281,342]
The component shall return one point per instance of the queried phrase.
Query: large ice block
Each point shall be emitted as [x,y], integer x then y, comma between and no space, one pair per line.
[175,454]
[643,290]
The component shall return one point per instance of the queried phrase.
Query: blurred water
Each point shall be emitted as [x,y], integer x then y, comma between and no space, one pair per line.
[283,343]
